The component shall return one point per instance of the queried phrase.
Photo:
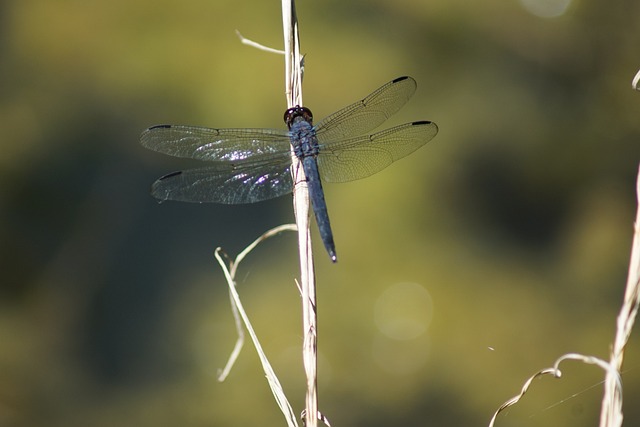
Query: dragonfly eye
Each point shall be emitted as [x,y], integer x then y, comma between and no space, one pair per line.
[297,111]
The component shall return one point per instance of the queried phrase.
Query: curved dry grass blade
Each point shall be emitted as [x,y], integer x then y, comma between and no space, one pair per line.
[636,81]
[525,388]
[611,412]
[223,373]
[555,371]
[238,309]
[268,234]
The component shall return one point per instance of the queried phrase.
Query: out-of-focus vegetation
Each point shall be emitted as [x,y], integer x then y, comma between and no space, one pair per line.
[463,269]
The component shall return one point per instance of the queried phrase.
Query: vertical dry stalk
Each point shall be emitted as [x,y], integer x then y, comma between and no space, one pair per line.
[611,413]
[293,82]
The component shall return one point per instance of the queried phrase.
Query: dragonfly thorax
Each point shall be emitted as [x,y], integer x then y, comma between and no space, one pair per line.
[302,135]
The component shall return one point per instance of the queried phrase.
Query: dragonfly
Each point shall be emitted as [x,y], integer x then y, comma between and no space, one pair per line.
[251,165]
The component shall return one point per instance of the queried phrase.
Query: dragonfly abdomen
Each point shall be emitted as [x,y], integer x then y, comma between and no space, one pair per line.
[316,194]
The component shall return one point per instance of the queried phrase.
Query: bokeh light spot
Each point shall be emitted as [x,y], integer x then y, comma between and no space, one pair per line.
[546,8]
[403,311]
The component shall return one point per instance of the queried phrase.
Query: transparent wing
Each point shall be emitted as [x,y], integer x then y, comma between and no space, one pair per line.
[359,157]
[368,113]
[249,165]
[228,183]
[230,145]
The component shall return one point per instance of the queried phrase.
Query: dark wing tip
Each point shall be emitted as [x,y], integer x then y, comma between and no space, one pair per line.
[169,175]
[158,189]
[147,131]
[160,127]
[401,78]
[425,122]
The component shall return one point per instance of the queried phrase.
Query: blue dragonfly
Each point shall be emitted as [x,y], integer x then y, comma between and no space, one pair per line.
[252,165]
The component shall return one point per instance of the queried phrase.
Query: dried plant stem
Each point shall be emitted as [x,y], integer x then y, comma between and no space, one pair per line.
[232,270]
[242,318]
[611,413]
[257,45]
[636,81]
[293,82]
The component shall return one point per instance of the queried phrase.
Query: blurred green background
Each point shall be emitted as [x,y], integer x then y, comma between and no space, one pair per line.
[463,269]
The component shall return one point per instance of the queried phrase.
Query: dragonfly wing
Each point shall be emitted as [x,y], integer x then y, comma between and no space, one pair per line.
[368,113]
[202,143]
[362,156]
[228,183]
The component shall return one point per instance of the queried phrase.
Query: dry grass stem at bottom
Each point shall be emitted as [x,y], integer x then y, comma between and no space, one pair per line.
[555,371]
[611,411]
[242,318]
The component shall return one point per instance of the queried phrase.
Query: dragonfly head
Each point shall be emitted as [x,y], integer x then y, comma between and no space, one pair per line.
[297,113]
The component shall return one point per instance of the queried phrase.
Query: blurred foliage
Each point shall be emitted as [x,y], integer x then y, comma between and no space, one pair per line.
[504,243]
